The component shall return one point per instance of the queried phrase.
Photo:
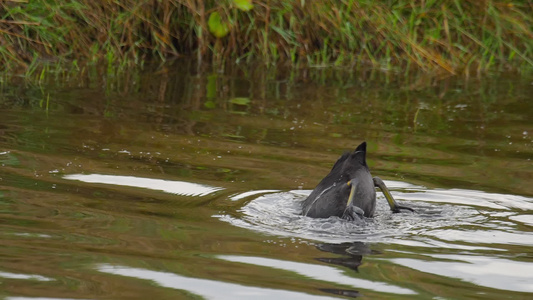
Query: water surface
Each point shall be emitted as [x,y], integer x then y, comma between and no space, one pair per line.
[182,183]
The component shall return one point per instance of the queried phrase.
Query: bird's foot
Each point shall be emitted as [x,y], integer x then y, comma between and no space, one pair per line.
[353,213]
[398,207]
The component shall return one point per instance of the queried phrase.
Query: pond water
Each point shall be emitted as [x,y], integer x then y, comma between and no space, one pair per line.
[180,183]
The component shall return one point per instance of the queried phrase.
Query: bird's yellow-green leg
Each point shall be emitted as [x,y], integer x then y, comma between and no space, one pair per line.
[352,193]
[352,210]
[392,203]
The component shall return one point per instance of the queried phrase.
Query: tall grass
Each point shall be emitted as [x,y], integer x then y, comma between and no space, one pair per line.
[450,36]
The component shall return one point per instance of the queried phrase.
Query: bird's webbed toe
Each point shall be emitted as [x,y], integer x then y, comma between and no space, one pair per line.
[353,213]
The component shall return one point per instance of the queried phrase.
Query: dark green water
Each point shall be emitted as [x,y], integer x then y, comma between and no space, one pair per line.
[175,183]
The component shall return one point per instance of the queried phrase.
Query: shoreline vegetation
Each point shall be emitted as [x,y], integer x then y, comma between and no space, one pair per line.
[434,36]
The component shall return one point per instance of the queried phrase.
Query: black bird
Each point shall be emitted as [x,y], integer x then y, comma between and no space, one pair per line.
[348,191]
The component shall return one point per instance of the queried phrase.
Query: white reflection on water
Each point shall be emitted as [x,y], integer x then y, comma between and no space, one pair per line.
[209,289]
[485,271]
[38,298]
[484,236]
[24,276]
[319,272]
[251,193]
[524,219]
[169,186]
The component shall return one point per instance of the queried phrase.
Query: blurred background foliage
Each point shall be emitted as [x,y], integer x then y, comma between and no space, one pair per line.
[440,36]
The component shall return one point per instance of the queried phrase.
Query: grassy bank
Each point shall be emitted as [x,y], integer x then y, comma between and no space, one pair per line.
[449,36]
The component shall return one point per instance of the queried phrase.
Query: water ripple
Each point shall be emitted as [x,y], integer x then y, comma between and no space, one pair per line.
[443,218]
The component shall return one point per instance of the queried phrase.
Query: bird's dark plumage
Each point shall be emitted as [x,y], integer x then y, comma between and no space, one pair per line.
[348,191]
